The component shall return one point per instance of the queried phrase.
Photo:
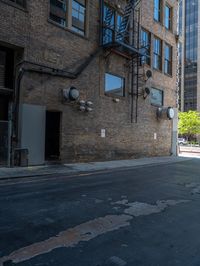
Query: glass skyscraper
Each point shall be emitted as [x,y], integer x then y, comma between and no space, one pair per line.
[188,54]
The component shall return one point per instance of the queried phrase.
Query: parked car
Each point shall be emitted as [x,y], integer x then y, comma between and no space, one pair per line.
[182,141]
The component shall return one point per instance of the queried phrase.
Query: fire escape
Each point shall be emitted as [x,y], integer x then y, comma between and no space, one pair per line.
[120,33]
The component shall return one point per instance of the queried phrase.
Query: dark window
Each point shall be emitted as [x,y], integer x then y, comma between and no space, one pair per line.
[157,54]
[19,2]
[145,46]
[114,84]
[168,59]
[157,10]
[156,97]
[168,17]
[58,11]
[2,68]
[70,14]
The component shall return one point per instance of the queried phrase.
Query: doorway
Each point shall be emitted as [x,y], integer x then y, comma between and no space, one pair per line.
[52,136]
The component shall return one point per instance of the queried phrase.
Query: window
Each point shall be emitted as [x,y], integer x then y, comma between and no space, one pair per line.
[19,2]
[156,97]
[78,16]
[111,22]
[157,54]
[58,11]
[168,17]
[157,10]
[114,85]
[73,18]
[168,59]
[145,46]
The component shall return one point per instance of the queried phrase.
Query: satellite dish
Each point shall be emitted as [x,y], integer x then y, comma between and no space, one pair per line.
[148,74]
[146,92]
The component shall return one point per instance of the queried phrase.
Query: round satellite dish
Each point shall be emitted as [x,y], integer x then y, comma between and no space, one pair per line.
[149,74]
[147,90]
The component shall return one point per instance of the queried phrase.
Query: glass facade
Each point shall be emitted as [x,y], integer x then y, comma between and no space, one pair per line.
[191,43]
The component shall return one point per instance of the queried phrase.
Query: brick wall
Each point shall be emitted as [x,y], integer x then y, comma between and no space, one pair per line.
[49,44]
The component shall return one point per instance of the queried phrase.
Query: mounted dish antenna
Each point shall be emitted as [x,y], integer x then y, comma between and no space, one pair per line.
[146,92]
[148,74]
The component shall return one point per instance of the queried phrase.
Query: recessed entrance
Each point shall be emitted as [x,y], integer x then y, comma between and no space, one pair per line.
[3,108]
[52,136]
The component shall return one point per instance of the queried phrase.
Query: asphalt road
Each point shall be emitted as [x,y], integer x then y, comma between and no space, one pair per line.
[142,216]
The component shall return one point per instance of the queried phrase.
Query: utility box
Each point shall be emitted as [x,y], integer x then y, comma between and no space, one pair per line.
[21,157]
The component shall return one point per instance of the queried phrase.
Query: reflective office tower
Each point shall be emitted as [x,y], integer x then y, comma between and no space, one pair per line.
[189,57]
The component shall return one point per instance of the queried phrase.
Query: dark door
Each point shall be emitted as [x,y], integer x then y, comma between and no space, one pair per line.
[3,108]
[52,136]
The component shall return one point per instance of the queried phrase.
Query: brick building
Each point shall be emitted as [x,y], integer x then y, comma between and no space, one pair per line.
[84,80]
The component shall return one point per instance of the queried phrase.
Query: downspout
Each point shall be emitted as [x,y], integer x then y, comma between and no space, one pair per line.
[137,82]
[132,88]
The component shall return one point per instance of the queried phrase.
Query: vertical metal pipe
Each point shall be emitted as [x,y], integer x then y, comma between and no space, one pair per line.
[137,71]
[132,88]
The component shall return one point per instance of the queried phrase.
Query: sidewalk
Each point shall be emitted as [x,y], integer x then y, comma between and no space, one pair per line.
[31,171]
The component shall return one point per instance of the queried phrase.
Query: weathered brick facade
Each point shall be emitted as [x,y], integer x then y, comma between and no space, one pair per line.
[35,38]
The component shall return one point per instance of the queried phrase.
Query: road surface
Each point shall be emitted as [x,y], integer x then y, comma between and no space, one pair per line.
[146,215]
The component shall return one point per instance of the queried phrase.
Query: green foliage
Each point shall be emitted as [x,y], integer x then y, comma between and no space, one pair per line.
[189,123]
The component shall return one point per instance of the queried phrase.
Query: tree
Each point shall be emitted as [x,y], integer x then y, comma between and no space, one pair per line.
[189,123]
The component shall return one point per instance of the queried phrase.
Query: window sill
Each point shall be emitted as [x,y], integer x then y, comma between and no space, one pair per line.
[158,70]
[158,22]
[156,105]
[168,75]
[169,30]
[146,65]
[7,2]
[114,96]
[67,29]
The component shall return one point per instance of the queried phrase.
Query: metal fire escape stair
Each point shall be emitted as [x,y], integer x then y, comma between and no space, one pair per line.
[124,26]
[108,17]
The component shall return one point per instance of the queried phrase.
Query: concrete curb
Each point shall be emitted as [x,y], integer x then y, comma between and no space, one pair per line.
[77,168]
